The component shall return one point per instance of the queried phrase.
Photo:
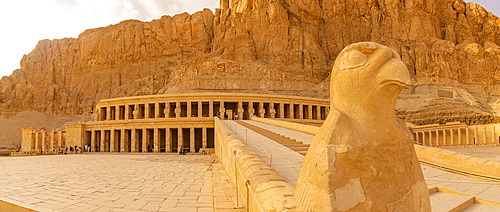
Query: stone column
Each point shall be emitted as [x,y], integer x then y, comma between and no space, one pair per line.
[222,111]
[282,110]
[177,109]
[210,108]
[145,136]
[437,138]
[262,111]
[493,135]
[168,140]
[133,142]
[309,111]
[192,147]
[452,137]
[167,110]
[155,140]
[127,111]
[118,113]
[157,110]
[61,138]
[301,111]
[103,137]
[189,109]
[417,135]
[251,110]
[272,111]
[240,110]
[467,138]
[123,140]
[200,109]
[92,141]
[292,108]
[475,136]
[147,111]
[180,141]
[484,136]
[112,140]
[318,112]
[423,139]
[204,138]
[136,111]
[37,142]
[43,133]
[52,139]
[459,136]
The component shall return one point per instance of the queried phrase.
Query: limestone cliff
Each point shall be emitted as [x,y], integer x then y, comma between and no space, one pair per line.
[279,46]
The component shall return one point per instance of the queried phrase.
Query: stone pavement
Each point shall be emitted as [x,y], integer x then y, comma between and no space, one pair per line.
[110,182]
[485,152]
[284,160]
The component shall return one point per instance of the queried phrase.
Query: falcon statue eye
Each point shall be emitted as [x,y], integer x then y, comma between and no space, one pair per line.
[352,60]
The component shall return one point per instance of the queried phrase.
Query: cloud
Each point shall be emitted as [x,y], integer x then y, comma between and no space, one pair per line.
[70,4]
[134,8]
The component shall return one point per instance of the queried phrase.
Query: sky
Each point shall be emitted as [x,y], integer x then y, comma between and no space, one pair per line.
[25,22]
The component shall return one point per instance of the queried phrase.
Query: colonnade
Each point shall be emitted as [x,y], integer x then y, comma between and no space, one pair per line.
[180,109]
[154,139]
[42,141]
[481,135]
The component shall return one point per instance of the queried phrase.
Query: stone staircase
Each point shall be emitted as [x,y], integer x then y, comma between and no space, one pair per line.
[293,144]
[443,200]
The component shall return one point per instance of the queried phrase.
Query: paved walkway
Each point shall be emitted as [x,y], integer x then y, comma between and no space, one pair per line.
[284,160]
[485,152]
[111,182]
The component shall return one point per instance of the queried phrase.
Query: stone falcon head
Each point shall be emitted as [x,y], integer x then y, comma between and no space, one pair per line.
[367,78]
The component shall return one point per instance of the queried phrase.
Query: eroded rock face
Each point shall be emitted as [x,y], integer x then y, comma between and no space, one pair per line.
[362,158]
[285,46]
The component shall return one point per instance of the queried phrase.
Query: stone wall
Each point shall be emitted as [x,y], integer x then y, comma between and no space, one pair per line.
[273,192]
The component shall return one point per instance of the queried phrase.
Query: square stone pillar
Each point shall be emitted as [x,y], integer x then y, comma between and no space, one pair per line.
[204,137]
[423,139]
[180,141]
[92,141]
[133,142]
[167,110]
[484,136]
[318,112]
[52,140]
[177,109]
[168,140]
[200,109]
[127,111]
[309,112]
[108,114]
[189,109]
[282,110]
[103,137]
[37,142]
[301,111]
[493,135]
[145,136]
[467,138]
[437,138]
[43,133]
[112,140]
[157,110]
[417,135]
[211,109]
[475,136]
[60,139]
[251,110]
[452,137]
[155,140]
[262,111]
[146,111]
[123,140]
[292,108]
[240,110]
[459,136]
[192,147]
[222,111]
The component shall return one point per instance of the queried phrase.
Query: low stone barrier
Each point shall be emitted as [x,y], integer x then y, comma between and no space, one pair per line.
[272,192]
[289,125]
[458,161]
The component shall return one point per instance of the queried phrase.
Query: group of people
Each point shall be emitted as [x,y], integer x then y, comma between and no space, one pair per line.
[68,150]
[182,151]
[235,116]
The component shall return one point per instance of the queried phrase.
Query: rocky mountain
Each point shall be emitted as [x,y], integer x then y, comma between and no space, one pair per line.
[265,46]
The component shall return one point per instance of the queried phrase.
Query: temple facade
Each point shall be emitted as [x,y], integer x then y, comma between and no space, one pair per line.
[164,123]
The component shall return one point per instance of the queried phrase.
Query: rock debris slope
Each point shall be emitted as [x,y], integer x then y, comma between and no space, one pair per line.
[265,46]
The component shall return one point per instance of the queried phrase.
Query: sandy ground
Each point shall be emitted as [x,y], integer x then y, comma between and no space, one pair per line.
[10,128]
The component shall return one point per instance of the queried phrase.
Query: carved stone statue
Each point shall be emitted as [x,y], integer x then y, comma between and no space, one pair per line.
[272,112]
[262,111]
[362,158]
[166,112]
[135,113]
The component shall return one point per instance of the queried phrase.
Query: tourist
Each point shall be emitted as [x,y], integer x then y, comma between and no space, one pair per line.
[66,150]
[81,150]
[180,150]
[85,147]
[235,116]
